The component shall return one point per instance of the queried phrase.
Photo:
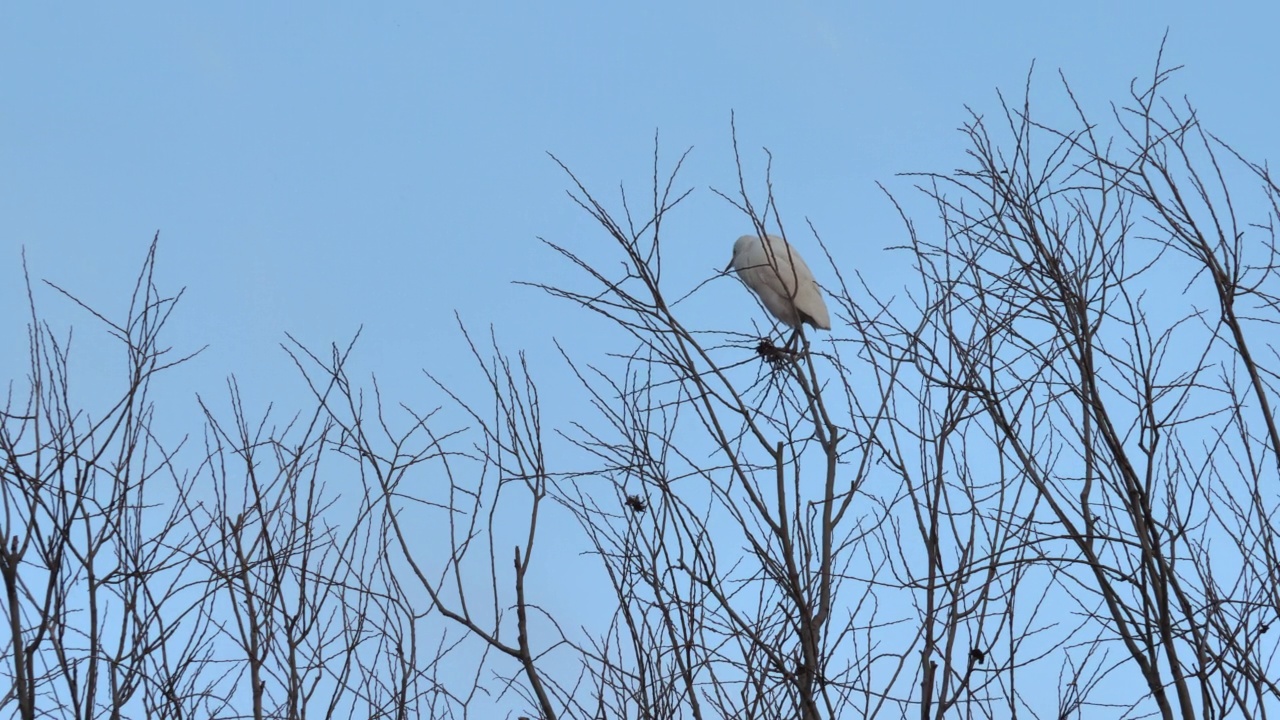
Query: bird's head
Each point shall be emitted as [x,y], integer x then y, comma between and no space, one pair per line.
[740,248]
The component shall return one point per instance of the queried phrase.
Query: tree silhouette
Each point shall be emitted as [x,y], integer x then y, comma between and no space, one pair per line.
[1040,480]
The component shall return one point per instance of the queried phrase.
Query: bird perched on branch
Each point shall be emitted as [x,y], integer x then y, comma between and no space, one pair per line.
[777,274]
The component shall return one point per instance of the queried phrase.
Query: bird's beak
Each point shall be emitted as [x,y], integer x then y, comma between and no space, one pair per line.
[726,267]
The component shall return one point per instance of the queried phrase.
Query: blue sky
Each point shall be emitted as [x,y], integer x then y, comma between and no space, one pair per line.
[385,164]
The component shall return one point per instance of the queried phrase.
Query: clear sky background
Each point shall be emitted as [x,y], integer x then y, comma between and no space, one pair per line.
[316,168]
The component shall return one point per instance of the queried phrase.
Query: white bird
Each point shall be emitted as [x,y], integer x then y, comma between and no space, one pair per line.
[777,274]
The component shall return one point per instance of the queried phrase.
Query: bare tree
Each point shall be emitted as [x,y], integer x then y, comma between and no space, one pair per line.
[1040,480]
[1097,304]
[87,604]
[244,586]
[1053,465]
